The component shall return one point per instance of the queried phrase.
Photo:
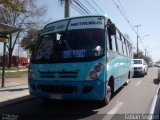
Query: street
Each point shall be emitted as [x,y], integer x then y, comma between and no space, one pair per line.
[134,98]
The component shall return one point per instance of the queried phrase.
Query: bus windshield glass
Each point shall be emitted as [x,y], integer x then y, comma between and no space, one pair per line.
[77,43]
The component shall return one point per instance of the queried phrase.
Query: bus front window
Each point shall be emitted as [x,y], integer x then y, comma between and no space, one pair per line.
[82,43]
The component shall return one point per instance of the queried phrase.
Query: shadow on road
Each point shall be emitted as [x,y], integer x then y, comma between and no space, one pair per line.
[55,110]
[137,76]
[38,109]
[13,90]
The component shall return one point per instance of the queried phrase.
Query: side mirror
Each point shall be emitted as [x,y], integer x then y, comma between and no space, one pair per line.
[112,29]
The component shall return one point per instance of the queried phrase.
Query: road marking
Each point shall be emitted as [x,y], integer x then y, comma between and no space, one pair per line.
[115,108]
[113,111]
[139,82]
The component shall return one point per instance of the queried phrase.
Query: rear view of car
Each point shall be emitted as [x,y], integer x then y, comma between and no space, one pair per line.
[140,67]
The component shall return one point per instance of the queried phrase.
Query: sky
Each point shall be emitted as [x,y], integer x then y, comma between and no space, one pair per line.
[138,12]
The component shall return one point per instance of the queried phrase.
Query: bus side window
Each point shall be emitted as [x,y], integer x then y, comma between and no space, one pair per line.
[125,43]
[119,42]
[112,39]
[127,48]
[124,46]
[107,40]
[112,43]
[130,50]
[114,46]
[120,46]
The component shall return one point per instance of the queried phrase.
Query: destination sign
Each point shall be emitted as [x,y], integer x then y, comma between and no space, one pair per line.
[55,27]
[76,23]
[86,22]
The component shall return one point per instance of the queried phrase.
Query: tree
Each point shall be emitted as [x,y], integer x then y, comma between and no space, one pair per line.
[141,56]
[28,40]
[20,13]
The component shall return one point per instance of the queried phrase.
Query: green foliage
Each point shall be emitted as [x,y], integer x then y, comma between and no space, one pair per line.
[141,56]
[14,5]
[24,14]
[28,40]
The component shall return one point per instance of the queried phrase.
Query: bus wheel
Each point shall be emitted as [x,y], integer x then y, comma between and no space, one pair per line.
[127,82]
[107,97]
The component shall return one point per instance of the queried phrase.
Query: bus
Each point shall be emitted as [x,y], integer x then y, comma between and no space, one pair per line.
[80,58]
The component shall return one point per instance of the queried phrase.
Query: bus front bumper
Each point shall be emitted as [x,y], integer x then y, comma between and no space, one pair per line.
[80,90]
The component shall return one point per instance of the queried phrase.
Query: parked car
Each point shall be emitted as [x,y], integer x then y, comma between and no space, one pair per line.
[140,67]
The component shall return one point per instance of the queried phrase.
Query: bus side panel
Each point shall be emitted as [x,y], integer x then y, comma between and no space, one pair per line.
[119,67]
[113,68]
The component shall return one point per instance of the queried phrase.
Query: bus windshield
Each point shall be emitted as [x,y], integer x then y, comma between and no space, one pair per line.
[80,43]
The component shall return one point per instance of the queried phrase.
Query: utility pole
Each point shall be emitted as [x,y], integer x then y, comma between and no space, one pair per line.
[4,64]
[137,37]
[66,9]
[145,53]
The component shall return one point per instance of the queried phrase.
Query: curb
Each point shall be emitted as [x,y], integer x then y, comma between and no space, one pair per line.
[155,98]
[16,100]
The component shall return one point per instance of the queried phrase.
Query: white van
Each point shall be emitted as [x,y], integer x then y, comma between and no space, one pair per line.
[140,67]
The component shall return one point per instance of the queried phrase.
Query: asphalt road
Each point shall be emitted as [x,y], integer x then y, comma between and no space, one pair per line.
[135,98]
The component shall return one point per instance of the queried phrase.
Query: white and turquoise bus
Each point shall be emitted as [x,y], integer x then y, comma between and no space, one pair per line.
[84,58]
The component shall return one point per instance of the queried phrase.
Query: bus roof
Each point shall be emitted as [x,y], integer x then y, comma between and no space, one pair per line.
[98,15]
[77,17]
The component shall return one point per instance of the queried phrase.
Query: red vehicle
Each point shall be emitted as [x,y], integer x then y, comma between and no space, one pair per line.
[23,61]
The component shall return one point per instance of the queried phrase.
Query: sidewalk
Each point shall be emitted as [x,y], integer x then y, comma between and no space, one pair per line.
[14,88]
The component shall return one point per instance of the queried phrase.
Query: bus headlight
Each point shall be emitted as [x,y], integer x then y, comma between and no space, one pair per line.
[95,71]
[97,68]
[93,75]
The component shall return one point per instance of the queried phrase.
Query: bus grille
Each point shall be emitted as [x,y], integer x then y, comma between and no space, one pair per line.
[59,74]
[58,89]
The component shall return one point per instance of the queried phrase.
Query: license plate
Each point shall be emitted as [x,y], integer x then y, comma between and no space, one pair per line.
[58,97]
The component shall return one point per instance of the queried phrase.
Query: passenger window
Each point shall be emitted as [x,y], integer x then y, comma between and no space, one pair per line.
[113,43]
[124,46]
[107,39]
[120,46]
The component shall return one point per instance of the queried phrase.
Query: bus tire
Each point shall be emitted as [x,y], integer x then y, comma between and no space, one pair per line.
[129,75]
[109,91]
[107,96]
[127,82]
